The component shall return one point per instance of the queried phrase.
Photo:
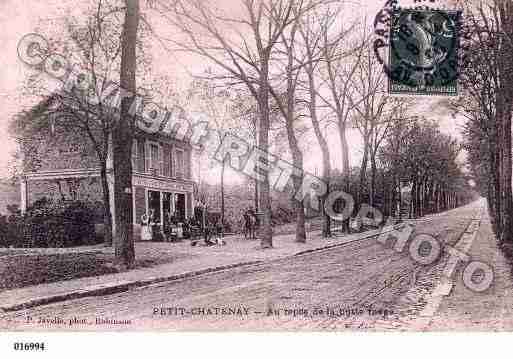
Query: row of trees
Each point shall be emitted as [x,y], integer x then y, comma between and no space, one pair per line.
[419,154]
[487,104]
[285,54]
[305,69]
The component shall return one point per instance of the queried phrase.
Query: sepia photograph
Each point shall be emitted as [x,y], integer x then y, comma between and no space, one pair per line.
[255,166]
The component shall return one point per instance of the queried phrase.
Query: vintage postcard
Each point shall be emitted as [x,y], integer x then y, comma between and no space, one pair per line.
[263,165]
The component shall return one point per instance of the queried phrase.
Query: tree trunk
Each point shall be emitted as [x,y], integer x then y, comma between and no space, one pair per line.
[363,171]
[263,144]
[325,152]
[496,180]
[299,208]
[420,194]
[297,159]
[256,196]
[437,191]
[413,200]
[418,204]
[256,199]
[346,170]
[345,148]
[491,206]
[393,199]
[222,193]
[107,217]
[297,156]
[444,196]
[373,180]
[506,63]
[507,200]
[400,195]
[430,196]
[124,242]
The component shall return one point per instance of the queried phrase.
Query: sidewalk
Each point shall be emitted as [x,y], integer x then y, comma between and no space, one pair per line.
[193,261]
[490,310]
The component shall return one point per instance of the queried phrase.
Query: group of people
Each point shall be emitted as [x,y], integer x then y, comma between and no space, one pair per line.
[176,228]
[173,228]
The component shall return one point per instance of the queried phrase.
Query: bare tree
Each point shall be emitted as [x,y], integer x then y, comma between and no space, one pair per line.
[216,104]
[341,62]
[312,29]
[286,102]
[242,47]
[330,60]
[375,113]
[368,98]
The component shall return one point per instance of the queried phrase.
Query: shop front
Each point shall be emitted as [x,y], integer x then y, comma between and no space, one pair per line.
[165,198]
[168,204]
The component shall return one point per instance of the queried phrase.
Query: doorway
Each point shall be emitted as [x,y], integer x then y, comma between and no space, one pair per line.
[180,205]
[167,205]
[154,204]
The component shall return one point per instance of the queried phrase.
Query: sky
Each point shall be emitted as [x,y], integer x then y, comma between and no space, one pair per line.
[20,17]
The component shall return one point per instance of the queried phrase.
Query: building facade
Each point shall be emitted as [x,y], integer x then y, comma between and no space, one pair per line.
[68,168]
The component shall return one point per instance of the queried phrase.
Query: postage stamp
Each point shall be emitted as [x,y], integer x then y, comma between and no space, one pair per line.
[423,52]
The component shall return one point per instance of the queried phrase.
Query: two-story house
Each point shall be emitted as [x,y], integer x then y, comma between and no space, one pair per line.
[68,168]
[162,176]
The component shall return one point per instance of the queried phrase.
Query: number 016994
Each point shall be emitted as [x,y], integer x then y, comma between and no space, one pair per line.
[19,346]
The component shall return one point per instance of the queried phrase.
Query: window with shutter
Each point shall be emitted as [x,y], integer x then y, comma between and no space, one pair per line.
[179,163]
[147,159]
[141,157]
[160,161]
[166,156]
[154,159]
[188,163]
[172,158]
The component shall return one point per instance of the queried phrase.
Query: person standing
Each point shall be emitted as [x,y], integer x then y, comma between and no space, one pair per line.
[155,228]
[167,226]
[146,224]
[250,222]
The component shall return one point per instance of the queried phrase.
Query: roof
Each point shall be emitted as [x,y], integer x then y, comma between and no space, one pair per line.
[144,124]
